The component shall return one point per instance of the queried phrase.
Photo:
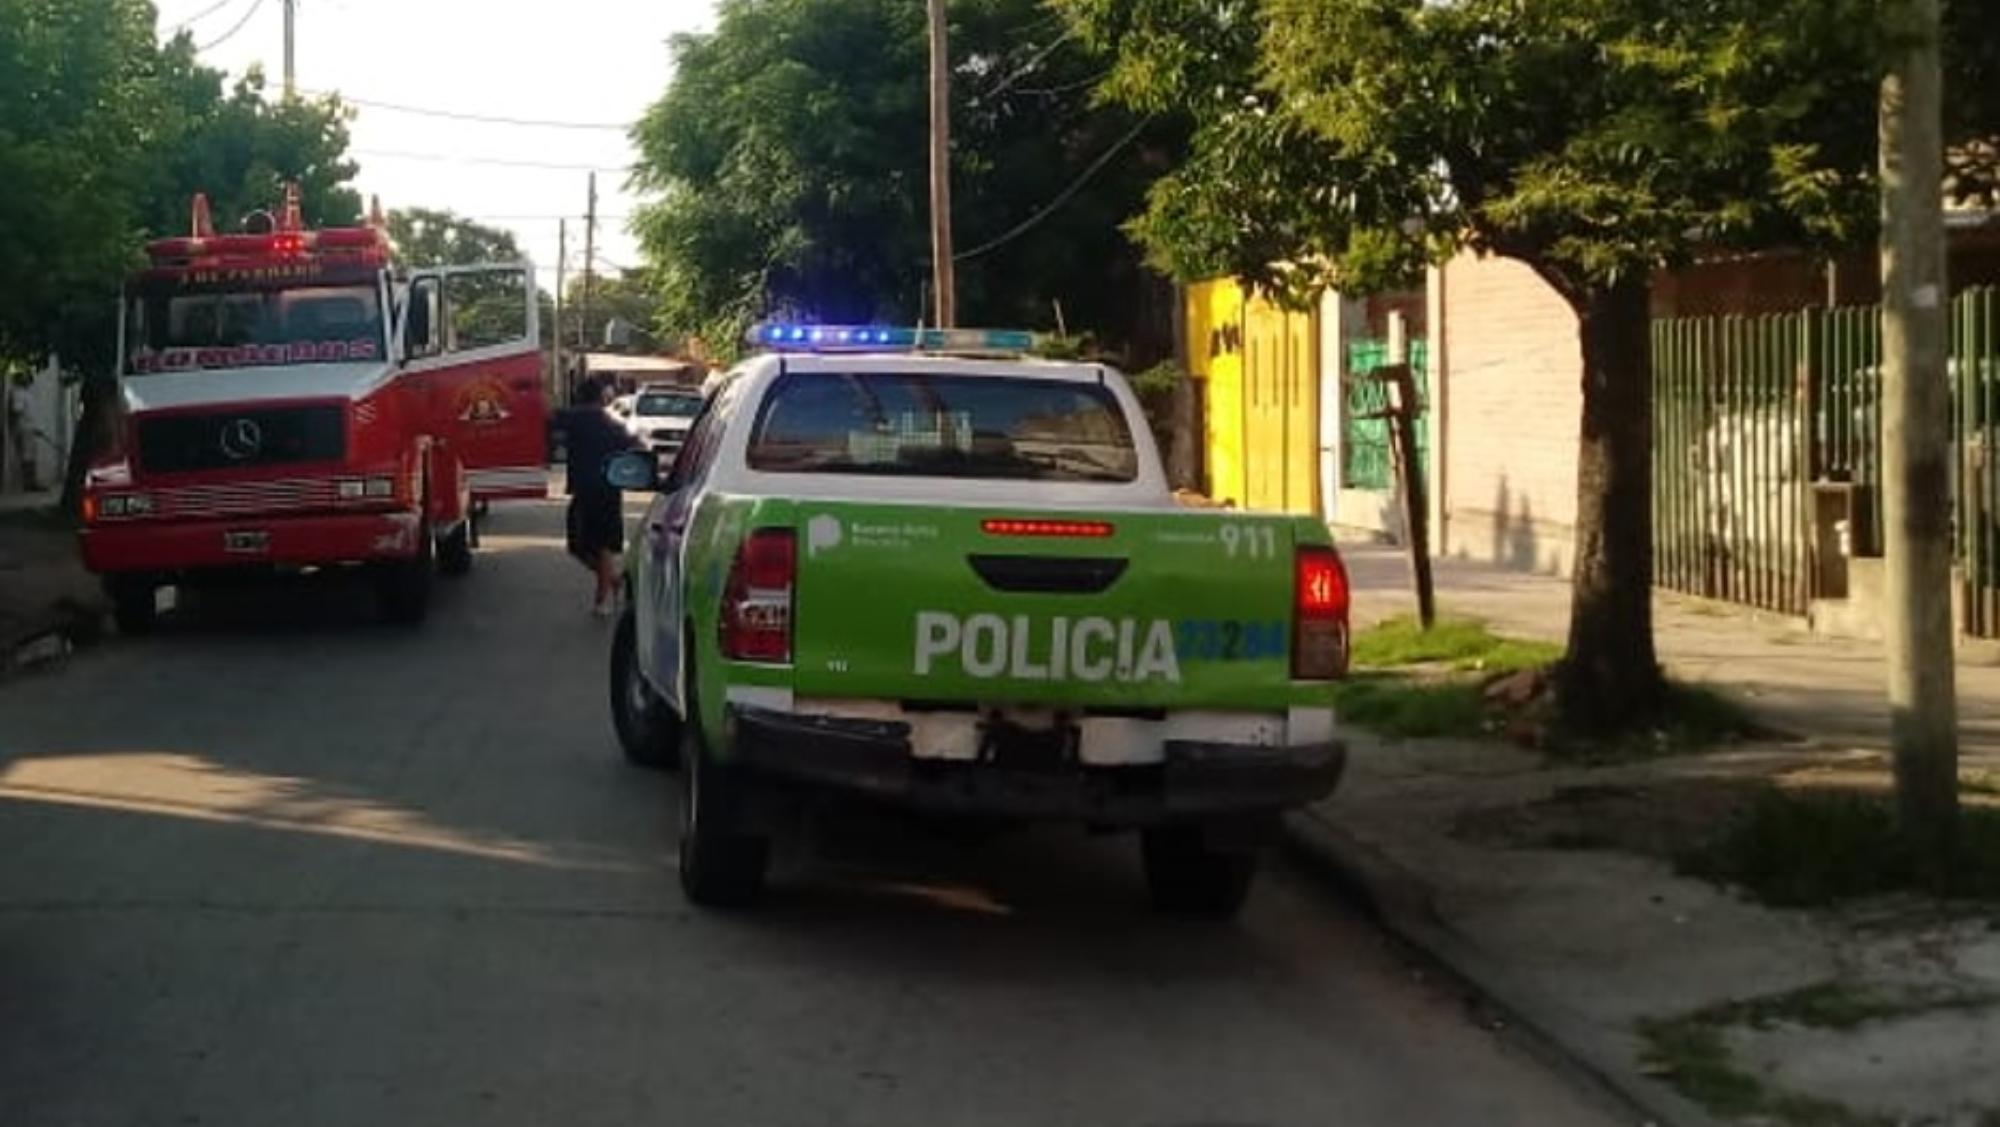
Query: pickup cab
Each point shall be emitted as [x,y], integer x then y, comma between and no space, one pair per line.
[960,584]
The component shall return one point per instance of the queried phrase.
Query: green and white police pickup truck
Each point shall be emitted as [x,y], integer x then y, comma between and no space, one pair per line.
[896,564]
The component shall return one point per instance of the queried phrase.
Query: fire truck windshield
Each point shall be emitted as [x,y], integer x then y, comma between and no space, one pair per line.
[177,328]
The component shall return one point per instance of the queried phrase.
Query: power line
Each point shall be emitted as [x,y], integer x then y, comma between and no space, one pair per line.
[239,25]
[1021,71]
[1064,88]
[502,162]
[202,15]
[1062,197]
[485,218]
[458,115]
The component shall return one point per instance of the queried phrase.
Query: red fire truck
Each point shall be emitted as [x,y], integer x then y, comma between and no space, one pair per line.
[294,401]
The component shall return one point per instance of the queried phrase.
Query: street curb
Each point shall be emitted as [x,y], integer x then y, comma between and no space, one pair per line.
[1402,902]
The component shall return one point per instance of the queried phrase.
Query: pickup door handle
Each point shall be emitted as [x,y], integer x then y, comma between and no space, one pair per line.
[1048,575]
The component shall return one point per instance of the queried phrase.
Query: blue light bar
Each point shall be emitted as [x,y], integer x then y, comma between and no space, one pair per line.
[875,338]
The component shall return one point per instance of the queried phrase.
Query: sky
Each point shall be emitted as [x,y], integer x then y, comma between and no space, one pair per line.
[577,61]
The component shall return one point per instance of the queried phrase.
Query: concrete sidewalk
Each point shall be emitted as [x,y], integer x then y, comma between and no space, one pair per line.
[1550,888]
[1828,690]
[46,598]
[27,502]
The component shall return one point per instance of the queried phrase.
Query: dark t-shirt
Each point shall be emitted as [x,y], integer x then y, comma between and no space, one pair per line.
[591,437]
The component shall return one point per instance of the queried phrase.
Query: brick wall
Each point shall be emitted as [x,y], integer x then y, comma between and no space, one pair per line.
[1510,385]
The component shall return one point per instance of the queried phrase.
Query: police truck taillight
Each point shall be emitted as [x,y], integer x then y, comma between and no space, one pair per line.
[757,601]
[1319,615]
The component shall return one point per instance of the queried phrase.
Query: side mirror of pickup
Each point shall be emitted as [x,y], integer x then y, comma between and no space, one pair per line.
[634,471]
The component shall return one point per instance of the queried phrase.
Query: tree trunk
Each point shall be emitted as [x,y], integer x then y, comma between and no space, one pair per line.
[1610,678]
[91,438]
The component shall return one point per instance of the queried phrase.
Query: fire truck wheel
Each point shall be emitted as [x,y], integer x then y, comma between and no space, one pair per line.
[454,550]
[403,588]
[133,604]
[648,731]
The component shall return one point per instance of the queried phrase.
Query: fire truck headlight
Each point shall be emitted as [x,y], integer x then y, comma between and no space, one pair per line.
[124,505]
[349,489]
[380,487]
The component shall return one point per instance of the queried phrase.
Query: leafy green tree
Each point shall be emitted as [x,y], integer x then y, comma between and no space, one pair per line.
[1353,141]
[241,148]
[627,297]
[787,161]
[77,120]
[428,237]
[1972,101]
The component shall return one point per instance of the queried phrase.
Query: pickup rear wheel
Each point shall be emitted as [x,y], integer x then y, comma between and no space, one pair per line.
[720,867]
[1188,875]
[648,730]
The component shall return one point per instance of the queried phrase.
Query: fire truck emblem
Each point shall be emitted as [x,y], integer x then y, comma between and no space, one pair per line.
[241,439]
[484,404]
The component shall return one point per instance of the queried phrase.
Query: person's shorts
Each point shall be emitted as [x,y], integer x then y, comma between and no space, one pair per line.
[596,524]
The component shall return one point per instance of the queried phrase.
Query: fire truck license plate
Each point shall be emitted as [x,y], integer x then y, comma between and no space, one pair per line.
[246,541]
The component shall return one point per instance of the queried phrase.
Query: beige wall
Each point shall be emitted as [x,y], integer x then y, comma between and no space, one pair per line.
[1511,380]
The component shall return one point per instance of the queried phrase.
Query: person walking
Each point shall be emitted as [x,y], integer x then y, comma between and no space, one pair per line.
[596,519]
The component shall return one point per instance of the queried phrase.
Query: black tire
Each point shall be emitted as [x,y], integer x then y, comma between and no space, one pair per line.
[720,867]
[648,730]
[134,604]
[1187,876]
[403,588]
[454,551]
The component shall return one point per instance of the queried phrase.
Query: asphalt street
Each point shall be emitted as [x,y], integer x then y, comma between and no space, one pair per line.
[280,864]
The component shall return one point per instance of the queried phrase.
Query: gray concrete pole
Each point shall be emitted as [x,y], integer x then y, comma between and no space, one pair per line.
[944,279]
[1916,421]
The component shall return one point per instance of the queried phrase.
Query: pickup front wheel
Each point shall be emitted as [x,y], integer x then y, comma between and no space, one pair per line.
[1190,875]
[648,731]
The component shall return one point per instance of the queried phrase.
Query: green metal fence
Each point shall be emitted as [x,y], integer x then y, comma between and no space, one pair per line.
[1729,444]
[1365,454]
[1759,420]
[1975,373]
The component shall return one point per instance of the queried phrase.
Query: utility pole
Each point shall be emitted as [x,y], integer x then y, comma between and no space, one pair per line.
[1916,440]
[291,68]
[943,282]
[589,268]
[559,378]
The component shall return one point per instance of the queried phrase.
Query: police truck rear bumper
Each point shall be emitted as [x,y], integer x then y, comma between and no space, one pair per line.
[1192,779]
[171,547]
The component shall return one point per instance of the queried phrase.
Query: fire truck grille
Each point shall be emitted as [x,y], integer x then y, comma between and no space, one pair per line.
[245,498]
[238,439]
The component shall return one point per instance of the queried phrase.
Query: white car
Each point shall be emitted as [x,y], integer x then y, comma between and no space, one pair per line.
[661,415]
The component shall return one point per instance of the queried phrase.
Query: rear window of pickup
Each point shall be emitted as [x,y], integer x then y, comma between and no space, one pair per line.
[917,424]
